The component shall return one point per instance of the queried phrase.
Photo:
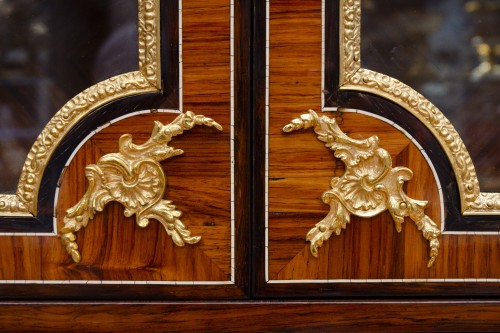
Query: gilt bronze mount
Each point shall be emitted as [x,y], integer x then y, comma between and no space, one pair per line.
[369,185]
[134,178]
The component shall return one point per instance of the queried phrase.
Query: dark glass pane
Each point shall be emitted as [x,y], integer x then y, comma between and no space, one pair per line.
[50,51]
[448,50]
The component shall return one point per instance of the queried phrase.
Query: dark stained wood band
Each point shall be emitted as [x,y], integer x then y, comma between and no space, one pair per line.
[332,53]
[243,142]
[259,142]
[169,42]
[341,316]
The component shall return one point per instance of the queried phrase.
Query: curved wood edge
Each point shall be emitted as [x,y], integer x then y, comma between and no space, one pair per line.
[251,316]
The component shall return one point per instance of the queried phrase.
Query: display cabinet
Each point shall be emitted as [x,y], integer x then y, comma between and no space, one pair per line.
[264,166]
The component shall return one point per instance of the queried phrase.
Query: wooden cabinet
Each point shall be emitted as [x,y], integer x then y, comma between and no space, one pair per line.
[199,193]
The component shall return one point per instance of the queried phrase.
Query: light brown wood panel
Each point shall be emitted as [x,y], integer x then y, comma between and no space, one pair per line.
[206,88]
[294,56]
[119,249]
[370,250]
[206,61]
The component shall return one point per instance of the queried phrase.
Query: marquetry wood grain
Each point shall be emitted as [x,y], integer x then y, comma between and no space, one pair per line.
[373,249]
[342,316]
[300,169]
[295,56]
[206,61]
[116,248]
[206,89]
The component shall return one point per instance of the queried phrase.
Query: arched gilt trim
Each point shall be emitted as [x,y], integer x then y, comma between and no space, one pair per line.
[146,79]
[353,77]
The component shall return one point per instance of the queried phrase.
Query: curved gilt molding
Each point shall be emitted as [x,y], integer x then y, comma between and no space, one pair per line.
[369,185]
[146,79]
[134,178]
[486,203]
[427,113]
[10,205]
[353,77]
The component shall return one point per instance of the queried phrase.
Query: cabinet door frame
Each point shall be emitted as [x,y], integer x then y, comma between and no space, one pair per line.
[341,63]
[159,57]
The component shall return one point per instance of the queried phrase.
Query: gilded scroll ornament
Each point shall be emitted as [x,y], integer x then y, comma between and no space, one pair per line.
[369,185]
[134,178]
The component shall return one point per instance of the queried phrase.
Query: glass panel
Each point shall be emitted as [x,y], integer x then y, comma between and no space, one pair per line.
[448,50]
[50,51]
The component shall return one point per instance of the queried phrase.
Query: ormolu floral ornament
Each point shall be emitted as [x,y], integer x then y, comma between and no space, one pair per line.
[368,186]
[134,178]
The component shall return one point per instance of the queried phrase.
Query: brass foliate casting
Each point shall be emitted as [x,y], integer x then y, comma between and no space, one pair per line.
[369,185]
[134,178]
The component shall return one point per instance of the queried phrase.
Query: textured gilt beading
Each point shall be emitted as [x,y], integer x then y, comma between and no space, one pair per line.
[444,131]
[59,125]
[353,77]
[369,185]
[485,204]
[134,178]
[10,205]
[350,32]
[149,47]
[146,79]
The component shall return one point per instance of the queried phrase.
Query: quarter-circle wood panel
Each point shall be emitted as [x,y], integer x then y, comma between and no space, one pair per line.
[197,184]
[368,248]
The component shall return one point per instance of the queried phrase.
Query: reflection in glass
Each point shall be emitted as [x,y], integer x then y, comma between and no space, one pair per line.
[50,51]
[448,50]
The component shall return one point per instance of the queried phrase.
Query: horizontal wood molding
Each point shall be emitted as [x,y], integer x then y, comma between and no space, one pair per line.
[253,316]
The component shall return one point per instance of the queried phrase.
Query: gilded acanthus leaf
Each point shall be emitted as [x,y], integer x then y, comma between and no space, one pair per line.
[134,178]
[369,185]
